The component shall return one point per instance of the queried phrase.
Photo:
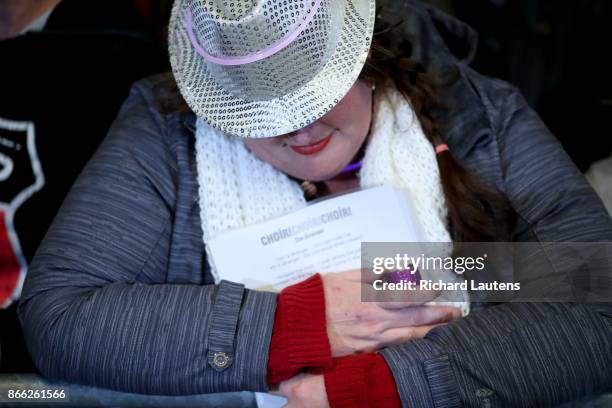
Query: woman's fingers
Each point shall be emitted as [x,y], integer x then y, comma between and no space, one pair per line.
[389,299]
[396,335]
[304,390]
[370,319]
[404,334]
[353,275]
[422,315]
[396,299]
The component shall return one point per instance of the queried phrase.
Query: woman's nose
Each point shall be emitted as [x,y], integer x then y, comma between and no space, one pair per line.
[302,136]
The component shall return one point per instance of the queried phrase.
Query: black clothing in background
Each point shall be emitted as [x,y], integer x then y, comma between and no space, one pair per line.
[556,52]
[98,15]
[67,83]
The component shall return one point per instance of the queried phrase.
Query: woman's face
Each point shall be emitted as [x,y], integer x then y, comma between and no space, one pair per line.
[321,150]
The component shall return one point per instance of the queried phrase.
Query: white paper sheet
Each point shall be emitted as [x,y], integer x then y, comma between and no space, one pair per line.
[322,237]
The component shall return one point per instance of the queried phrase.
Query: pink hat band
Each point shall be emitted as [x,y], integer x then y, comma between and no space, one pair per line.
[255,56]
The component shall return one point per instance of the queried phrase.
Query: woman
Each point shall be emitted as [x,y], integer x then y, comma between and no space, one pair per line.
[121,293]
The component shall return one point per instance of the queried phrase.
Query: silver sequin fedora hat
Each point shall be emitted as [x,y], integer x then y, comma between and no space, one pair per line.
[263,68]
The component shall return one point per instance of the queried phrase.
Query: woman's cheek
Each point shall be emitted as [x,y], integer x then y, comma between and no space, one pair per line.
[353,114]
[259,147]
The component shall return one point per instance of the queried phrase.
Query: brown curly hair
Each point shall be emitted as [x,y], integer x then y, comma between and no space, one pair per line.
[470,203]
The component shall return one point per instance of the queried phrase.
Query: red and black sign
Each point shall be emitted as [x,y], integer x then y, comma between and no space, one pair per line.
[20,177]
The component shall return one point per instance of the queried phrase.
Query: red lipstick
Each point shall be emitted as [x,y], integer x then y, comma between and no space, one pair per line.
[314,148]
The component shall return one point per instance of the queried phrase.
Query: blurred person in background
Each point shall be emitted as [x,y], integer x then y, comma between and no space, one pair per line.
[555,51]
[66,68]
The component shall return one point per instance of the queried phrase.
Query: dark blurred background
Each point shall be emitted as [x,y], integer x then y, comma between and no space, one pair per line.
[70,72]
[557,53]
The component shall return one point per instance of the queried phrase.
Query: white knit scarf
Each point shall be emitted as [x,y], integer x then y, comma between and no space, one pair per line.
[238,189]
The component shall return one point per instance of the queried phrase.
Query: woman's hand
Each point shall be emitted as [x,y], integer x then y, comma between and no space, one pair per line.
[355,327]
[304,390]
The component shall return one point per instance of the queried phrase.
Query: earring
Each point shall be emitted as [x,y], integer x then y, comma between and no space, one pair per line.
[310,190]
[373,86]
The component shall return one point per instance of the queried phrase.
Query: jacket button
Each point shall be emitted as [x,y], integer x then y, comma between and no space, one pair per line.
[484,393]
[220,359]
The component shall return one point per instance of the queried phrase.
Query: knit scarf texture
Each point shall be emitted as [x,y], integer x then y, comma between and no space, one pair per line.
[236,189]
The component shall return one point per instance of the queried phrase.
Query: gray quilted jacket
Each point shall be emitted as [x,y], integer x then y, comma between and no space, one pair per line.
[119,294]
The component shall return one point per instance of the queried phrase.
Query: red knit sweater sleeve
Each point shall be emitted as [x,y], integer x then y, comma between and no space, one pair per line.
[299,337]
[362,381]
